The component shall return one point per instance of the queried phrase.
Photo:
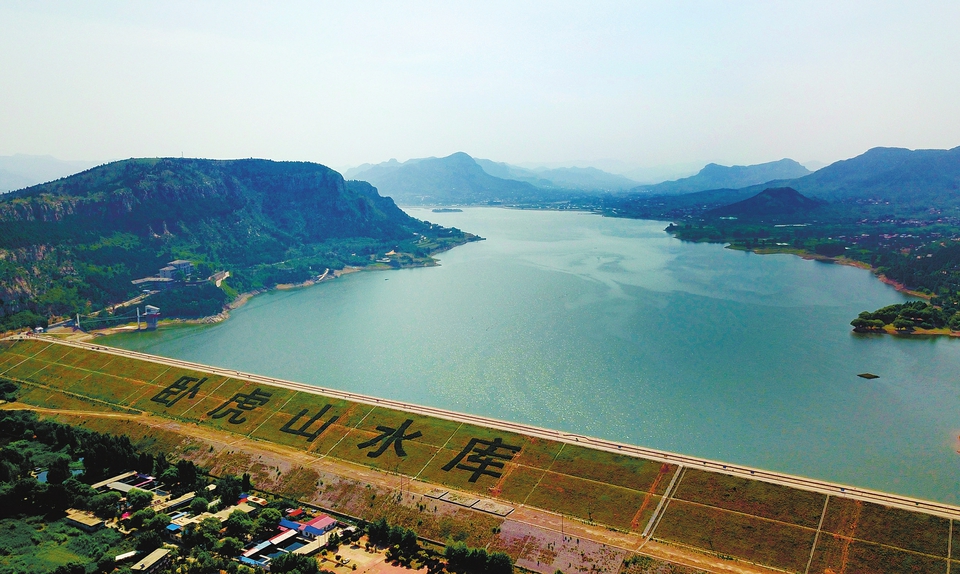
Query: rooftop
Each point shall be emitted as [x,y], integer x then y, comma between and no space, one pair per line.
[83,518]
[150,559]
[117,478]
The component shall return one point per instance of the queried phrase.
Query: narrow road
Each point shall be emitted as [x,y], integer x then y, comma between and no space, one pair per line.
[803,483]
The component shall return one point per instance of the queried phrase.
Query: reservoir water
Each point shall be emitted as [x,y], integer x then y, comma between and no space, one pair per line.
[612,328]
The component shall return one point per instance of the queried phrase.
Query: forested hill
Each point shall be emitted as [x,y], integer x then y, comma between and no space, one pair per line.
[271,201]
[75,244]
[773,203]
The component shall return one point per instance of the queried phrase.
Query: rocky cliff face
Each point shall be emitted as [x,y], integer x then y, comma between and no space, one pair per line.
[84,237]
[134,194]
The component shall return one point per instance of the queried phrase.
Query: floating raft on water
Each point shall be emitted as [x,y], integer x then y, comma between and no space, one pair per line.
[868,376]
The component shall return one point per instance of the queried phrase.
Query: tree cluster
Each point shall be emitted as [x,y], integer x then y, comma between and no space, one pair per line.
[33,443]
[907,316]
[465,560]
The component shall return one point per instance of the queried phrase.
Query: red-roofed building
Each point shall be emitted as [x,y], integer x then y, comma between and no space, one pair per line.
[318,526]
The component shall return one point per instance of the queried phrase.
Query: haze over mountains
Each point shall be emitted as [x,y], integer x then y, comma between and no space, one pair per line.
[923,177]
[918,178]
[455,179]
[461,179]
[714,176]
[571,178]
[905,181]
[893,174]
[20,170]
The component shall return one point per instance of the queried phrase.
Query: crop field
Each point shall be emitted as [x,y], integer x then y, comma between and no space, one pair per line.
[719,514]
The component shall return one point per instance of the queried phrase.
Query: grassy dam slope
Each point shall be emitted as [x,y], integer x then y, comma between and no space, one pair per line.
[632,499]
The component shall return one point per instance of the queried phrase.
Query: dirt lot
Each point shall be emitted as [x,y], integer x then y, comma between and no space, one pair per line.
[365,562]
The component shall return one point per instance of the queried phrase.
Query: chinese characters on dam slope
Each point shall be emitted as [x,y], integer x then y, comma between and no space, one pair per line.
[479,457]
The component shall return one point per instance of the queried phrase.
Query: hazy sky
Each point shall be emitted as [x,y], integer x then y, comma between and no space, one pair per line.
[646,83]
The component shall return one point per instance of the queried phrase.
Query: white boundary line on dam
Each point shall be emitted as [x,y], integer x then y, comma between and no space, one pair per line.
[821,486]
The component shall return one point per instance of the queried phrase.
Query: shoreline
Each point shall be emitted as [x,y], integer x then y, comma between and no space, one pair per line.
[241,300]
[841,260]
[900,287]
[246,296]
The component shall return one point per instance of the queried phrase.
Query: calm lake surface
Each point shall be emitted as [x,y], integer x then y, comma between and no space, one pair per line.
[612,328]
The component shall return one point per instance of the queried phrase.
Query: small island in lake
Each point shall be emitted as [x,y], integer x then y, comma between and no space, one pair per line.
[447,210]
[911,318]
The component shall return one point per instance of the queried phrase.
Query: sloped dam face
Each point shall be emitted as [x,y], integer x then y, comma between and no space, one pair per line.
[484,469]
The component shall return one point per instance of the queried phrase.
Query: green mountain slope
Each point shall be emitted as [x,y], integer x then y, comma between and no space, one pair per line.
[75,244]
[773,203]
[909,177]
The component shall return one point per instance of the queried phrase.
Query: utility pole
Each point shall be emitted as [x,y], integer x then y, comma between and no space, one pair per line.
[78,321]
[138,318]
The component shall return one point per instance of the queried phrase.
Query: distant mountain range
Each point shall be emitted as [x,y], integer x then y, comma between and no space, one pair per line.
[462,179]
[907,180]
[455,179]
[570,178]
[714,176]
[19,171]
[908,177]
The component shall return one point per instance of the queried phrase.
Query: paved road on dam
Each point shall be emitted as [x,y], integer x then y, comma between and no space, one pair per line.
[799,482]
